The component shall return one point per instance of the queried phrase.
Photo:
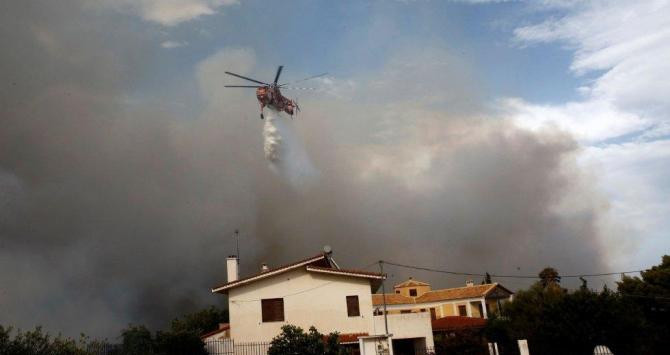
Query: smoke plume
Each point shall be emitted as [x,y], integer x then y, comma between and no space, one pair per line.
[285,151]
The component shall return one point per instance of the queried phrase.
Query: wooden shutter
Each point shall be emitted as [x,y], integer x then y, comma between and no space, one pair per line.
[272,310]
[352,306]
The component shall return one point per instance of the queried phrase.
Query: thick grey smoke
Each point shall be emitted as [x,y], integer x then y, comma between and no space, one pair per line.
[116,208]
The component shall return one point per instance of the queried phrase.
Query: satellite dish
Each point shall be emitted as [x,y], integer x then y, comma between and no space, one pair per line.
[327,249]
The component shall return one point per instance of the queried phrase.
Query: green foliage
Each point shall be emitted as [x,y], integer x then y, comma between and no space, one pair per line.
[137,340]
[549,277]
[294,340]
[183,337]
[466,342]
[37,342]
[178,343]
[556,321]
[651,294]
[487,279]
[200,322]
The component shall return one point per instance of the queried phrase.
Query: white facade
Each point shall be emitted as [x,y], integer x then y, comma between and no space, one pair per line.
[407,326]
[310,299]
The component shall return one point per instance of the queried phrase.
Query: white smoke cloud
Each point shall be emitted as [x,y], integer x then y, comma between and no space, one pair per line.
[167,12]
[285,150]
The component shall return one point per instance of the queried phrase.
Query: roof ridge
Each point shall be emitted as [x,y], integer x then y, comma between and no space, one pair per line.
[298,263]
[456,288]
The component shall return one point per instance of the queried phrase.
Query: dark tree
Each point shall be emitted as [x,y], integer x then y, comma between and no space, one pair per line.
[487,279]
[651,294]
[178,343]
[200,322]
[137,340]
[37,342]
[466,342]
[555,321]
[549,277]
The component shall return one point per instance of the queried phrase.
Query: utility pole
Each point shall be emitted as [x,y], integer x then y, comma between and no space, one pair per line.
[386,323]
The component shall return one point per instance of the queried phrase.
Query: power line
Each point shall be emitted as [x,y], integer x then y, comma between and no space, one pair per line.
[502,276]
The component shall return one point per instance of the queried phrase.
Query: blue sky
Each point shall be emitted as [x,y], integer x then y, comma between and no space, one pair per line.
[350,38]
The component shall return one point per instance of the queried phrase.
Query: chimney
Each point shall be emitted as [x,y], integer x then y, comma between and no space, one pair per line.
[469,283]
[264,267]
[232,268]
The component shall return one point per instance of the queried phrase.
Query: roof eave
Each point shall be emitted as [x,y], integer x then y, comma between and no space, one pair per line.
[225,287]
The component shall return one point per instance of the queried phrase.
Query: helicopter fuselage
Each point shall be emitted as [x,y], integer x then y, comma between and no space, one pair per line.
[271,96]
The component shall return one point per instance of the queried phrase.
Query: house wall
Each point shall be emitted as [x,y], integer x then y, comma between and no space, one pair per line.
[442,308]
[369,346]
[420,290]
[493,306]
[405,326]
[447,310]
[474,309]
[309,299]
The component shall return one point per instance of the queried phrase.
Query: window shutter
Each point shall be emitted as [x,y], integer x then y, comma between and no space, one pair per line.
[352,306]
[272,310]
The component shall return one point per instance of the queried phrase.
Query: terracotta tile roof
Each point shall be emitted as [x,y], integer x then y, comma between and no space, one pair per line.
[222,328]
[410,283]
[446,294]
[391,298]
[456,293]
[350,337]
[347,272]
[274,271]
[457,323]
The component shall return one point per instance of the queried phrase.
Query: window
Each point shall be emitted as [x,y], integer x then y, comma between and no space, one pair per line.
[397,291]
[462,311]
[433,315]
[481,310]
[273,310]
[352,306]
[412,292]
[406,311]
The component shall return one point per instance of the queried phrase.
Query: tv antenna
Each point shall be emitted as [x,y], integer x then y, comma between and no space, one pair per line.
[237,245]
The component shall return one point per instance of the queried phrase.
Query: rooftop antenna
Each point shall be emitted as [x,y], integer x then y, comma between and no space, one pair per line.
[237,245]
[329,254]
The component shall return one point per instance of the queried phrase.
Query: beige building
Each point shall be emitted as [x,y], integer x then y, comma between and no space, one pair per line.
[414,296]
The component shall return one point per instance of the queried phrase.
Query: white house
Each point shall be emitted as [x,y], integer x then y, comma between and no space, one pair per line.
[315,292]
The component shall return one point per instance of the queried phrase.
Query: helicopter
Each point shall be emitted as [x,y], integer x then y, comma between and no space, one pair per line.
[270,95]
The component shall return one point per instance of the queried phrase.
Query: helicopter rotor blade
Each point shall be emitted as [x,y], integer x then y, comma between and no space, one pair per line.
[296,88]
[243,86]
[278,73]
[305,79]
[245,78]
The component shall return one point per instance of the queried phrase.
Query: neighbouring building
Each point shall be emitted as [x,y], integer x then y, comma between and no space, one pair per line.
[316,292]
[412,296]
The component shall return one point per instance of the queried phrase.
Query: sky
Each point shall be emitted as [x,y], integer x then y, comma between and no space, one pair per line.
[480,136]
